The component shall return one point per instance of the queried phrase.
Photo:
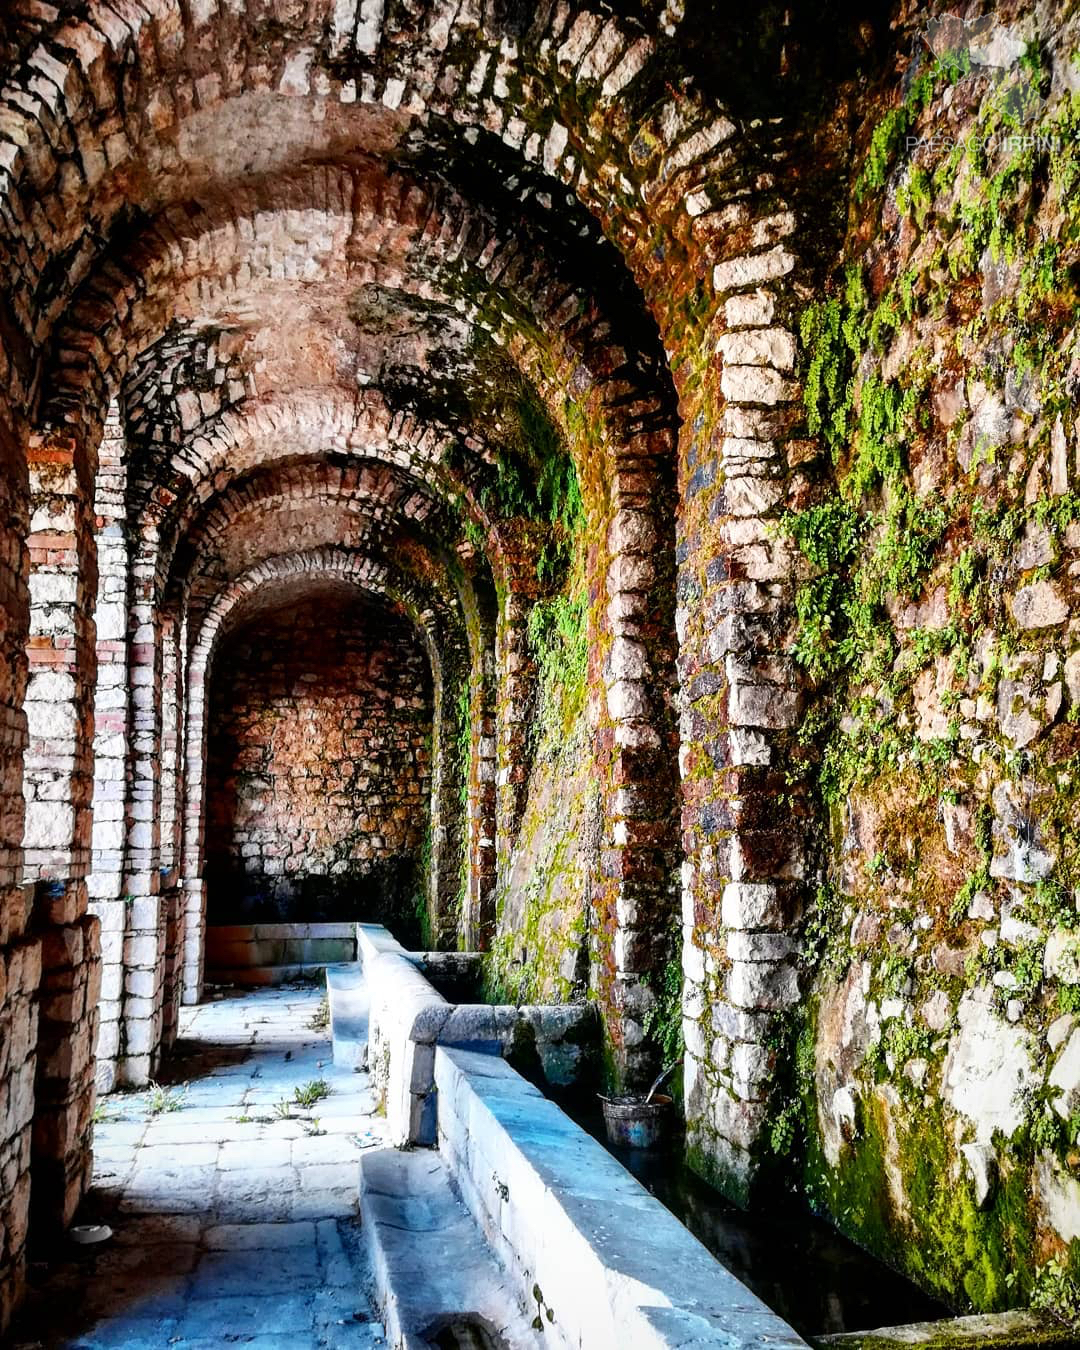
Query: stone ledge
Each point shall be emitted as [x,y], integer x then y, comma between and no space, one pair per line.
[408,1017]
[605,1262]
[1007,1331]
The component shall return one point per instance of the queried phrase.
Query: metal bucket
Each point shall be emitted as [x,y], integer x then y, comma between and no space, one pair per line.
[633,1123]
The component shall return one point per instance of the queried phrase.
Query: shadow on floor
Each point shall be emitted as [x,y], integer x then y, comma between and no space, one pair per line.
[233,1206]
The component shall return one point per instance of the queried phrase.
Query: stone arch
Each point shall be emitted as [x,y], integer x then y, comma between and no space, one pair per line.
[253,436]
[577,71]
[364,504]
[703,188]
[631,446]
[447,654]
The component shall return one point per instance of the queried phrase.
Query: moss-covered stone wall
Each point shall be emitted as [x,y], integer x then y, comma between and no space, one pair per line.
[932,1069]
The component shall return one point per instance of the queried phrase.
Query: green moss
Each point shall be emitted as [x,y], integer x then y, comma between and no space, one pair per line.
[975,1259]
[891,131]
[881,554]
[558,640]
[663,1021]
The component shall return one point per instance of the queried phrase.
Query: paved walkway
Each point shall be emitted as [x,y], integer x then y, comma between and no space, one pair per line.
[234,1207]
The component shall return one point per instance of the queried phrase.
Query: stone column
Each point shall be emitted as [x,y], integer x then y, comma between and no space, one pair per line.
[519,588]
[740,702]
[20,955]
[479,916]
[105,883]
[172,742]
[144,945]
[20,977]
[58,772]
[64,1087]
[172,739]
[633,665]
[193,892]
[57,784]
[516,678]
[448,874]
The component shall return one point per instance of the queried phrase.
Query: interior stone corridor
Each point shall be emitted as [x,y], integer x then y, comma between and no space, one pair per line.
[234,1209]
[591,489]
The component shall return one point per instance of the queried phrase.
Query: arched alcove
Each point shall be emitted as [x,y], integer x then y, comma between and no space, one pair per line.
[318,777]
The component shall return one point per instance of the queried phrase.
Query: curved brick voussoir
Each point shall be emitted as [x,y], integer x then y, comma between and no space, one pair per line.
[554,94]
[363,445]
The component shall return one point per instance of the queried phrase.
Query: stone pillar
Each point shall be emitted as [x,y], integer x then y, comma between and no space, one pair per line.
[105,883]
[64,1086]
[479,925]
[193,888]
[449,863]
[172,911]
[20,976]
[740,703]
[57,784]
[144,945]
[519,549]
[58,771]
[632,662]
[172,740]
[516,675]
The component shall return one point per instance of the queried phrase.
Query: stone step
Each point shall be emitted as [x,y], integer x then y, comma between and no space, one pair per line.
[348,998]
[257,977]
[235,947]
[433,1268]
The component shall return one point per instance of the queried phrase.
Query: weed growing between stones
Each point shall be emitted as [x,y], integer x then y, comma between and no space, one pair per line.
[161,1100]
[320,1018]
[663,1021]
[317,1090]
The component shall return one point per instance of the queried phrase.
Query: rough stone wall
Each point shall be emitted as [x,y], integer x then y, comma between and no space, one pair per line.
[815,387]
[545,944]
[20,956]
[318,766]
[937,1055]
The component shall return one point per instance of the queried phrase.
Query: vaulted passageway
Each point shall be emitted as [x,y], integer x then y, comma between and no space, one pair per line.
[594,485]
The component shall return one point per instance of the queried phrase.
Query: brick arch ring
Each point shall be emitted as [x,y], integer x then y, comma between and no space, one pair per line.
[446,652]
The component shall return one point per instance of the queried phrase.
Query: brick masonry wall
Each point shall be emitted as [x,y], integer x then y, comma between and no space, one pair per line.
[319,772]
[644,260]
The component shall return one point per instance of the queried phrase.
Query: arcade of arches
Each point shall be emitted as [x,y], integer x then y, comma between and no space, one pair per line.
[595,484]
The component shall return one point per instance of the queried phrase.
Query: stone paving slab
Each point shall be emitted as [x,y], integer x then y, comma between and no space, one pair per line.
[235,1218]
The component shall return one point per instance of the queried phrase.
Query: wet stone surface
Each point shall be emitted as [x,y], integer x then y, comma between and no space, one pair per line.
[234,1208]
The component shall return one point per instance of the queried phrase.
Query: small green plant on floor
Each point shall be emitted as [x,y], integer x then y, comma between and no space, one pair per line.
[312,1092]
[320,1018]
[101,1115]
[283,1109]
[163,1099]
[313,1127]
